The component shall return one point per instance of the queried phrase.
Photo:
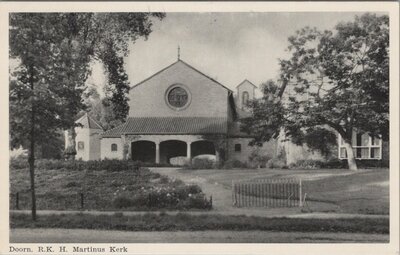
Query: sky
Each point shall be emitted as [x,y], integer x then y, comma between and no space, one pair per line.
[228,47]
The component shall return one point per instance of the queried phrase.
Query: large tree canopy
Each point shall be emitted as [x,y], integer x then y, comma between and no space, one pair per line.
[54,52]
[337,80]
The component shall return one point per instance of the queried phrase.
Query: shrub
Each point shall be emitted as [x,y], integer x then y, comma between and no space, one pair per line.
[201,163]
[334,163]
[196,201]
[318,164]
[177,182]
[234,163]
[279,161]
[93,165]
[123,202]
[171,197]
[258,159]
[164,179]
[306,164]
[185,191]
[19,163]
[276,163]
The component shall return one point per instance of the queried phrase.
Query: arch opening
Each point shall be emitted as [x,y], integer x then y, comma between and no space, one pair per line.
[144,151]
[202,147]
[171,149]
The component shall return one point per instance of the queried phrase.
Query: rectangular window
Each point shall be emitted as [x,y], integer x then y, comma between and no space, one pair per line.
[81,146]
[375,141]
[364,147]
[238,147]
[343,153]
[114,147]
[375,153]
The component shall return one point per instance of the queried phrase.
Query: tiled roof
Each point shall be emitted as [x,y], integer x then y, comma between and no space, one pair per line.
[170,125]
[88,122]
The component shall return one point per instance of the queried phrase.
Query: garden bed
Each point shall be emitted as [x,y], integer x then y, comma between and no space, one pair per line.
[113,185]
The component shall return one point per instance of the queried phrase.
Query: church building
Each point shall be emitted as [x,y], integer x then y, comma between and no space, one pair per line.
[180,112]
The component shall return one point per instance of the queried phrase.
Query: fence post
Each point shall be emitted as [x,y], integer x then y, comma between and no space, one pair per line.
[233,193]
[17,201]
[82,202]
[300,195]
[211,202]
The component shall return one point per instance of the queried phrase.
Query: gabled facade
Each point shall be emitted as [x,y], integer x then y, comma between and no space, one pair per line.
[179,112]
[245,93]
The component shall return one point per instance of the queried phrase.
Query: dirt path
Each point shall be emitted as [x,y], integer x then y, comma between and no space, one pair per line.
[222,195]
[105,236]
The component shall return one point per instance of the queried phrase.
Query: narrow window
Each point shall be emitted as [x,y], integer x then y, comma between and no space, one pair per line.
[238,147]
[245,98]
[114,147]
[359,135]
[343,153]
[81,146]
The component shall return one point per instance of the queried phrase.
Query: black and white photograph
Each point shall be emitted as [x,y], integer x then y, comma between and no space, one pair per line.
[132,126]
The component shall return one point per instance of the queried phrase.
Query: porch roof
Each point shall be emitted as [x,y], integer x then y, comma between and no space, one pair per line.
[170,125]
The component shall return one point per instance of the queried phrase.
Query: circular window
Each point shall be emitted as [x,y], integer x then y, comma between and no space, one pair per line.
[177,97]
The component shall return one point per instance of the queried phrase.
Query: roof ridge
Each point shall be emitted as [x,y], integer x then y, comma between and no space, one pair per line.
[180,60]
[247,81]
[206,75]
[95,122]
[148,78]
[112,129]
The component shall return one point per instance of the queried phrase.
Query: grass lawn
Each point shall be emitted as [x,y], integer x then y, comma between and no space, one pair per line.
[57,235]
[365,191]
[60,190]
[187,222]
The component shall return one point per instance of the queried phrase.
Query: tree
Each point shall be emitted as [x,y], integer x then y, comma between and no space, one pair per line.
[220,145]
[53,51]
[336,80]
[42,95]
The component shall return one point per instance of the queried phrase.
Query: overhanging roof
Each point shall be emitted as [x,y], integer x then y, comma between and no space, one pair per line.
[87,122]
[170,125]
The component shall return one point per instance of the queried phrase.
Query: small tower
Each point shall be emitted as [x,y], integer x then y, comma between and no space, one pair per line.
[245,93]
[87,140]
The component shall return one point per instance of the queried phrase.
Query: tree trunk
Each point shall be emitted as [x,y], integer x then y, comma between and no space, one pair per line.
[71,150]
[350,156]
[32,146]
[32,174]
